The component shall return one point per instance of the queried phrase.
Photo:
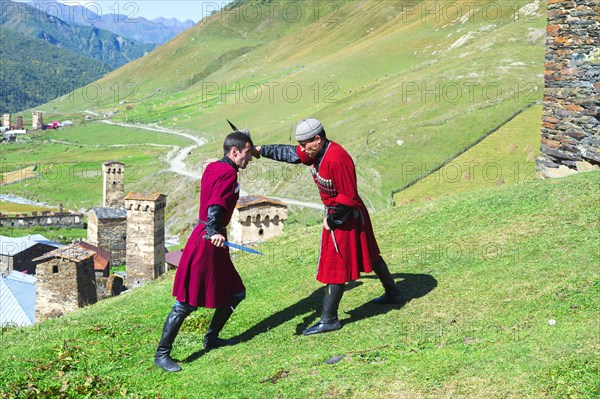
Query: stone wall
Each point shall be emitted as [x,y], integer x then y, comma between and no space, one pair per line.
[571,125]
[64,286]
[145,237]
[54,219]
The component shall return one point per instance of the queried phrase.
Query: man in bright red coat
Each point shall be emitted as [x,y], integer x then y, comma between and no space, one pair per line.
[206,276]
[348,244]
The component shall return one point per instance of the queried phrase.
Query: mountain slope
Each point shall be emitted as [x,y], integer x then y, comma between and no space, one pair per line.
[375,72]
[484,272]
[125,22]
[88,41]
[35,72]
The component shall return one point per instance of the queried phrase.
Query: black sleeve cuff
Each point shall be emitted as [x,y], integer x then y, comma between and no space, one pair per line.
[339,215]
[214,222]
[280,152]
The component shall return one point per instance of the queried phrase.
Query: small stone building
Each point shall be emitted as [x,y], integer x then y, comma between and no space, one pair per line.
[257,218]
[65,281]
[107,230]
[113,174]
[145,237]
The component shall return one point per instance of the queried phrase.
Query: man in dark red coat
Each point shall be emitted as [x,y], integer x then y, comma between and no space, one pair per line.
[348,245]
[206,276]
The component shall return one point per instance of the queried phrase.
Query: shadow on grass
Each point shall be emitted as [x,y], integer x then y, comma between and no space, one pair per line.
[412,286]
[194,356]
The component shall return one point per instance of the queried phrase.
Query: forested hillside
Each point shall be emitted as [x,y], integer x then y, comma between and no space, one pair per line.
[35,72]
[99,44]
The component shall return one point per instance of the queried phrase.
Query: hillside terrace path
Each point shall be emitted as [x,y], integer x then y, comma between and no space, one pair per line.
[177,157]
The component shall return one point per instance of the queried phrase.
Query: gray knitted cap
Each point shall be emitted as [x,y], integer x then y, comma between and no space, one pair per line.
[308,128]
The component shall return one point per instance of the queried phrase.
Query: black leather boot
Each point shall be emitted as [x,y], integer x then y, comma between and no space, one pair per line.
[392,294]
[162,358]
[220,317]
[329,316]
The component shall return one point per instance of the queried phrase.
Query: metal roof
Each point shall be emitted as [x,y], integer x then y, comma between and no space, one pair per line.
[12,246]
[173,258]
[17,299]
[110,213]
[101,257]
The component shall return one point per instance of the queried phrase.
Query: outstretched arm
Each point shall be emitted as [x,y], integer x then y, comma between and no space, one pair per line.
[279,152]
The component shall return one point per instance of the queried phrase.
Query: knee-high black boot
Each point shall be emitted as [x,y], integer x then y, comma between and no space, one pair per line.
[329,316]
[392,294]
[220,317]
[175,319]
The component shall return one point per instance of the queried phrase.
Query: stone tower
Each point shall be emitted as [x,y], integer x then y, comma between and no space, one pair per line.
[107,230]
[37,120]
[65,281]
[6,120]
[113,173]
[145,252]
[20,124]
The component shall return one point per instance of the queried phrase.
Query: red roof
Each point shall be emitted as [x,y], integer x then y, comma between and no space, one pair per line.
[173,258]
[101,257]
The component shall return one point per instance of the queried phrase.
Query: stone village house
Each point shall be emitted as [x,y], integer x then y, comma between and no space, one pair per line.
[65,281]
[257,218]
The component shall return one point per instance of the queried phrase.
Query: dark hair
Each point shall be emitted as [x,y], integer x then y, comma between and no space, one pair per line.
[237,140]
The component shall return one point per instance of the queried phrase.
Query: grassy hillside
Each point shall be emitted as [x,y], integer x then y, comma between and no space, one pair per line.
[375,72]
[507,156]
[484,271]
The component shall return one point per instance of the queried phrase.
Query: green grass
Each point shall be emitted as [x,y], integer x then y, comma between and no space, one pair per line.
[62,235]
[485,271]
[507,156]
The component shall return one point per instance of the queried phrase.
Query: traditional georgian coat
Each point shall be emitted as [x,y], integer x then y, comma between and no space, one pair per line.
[206,276]
[351,248]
